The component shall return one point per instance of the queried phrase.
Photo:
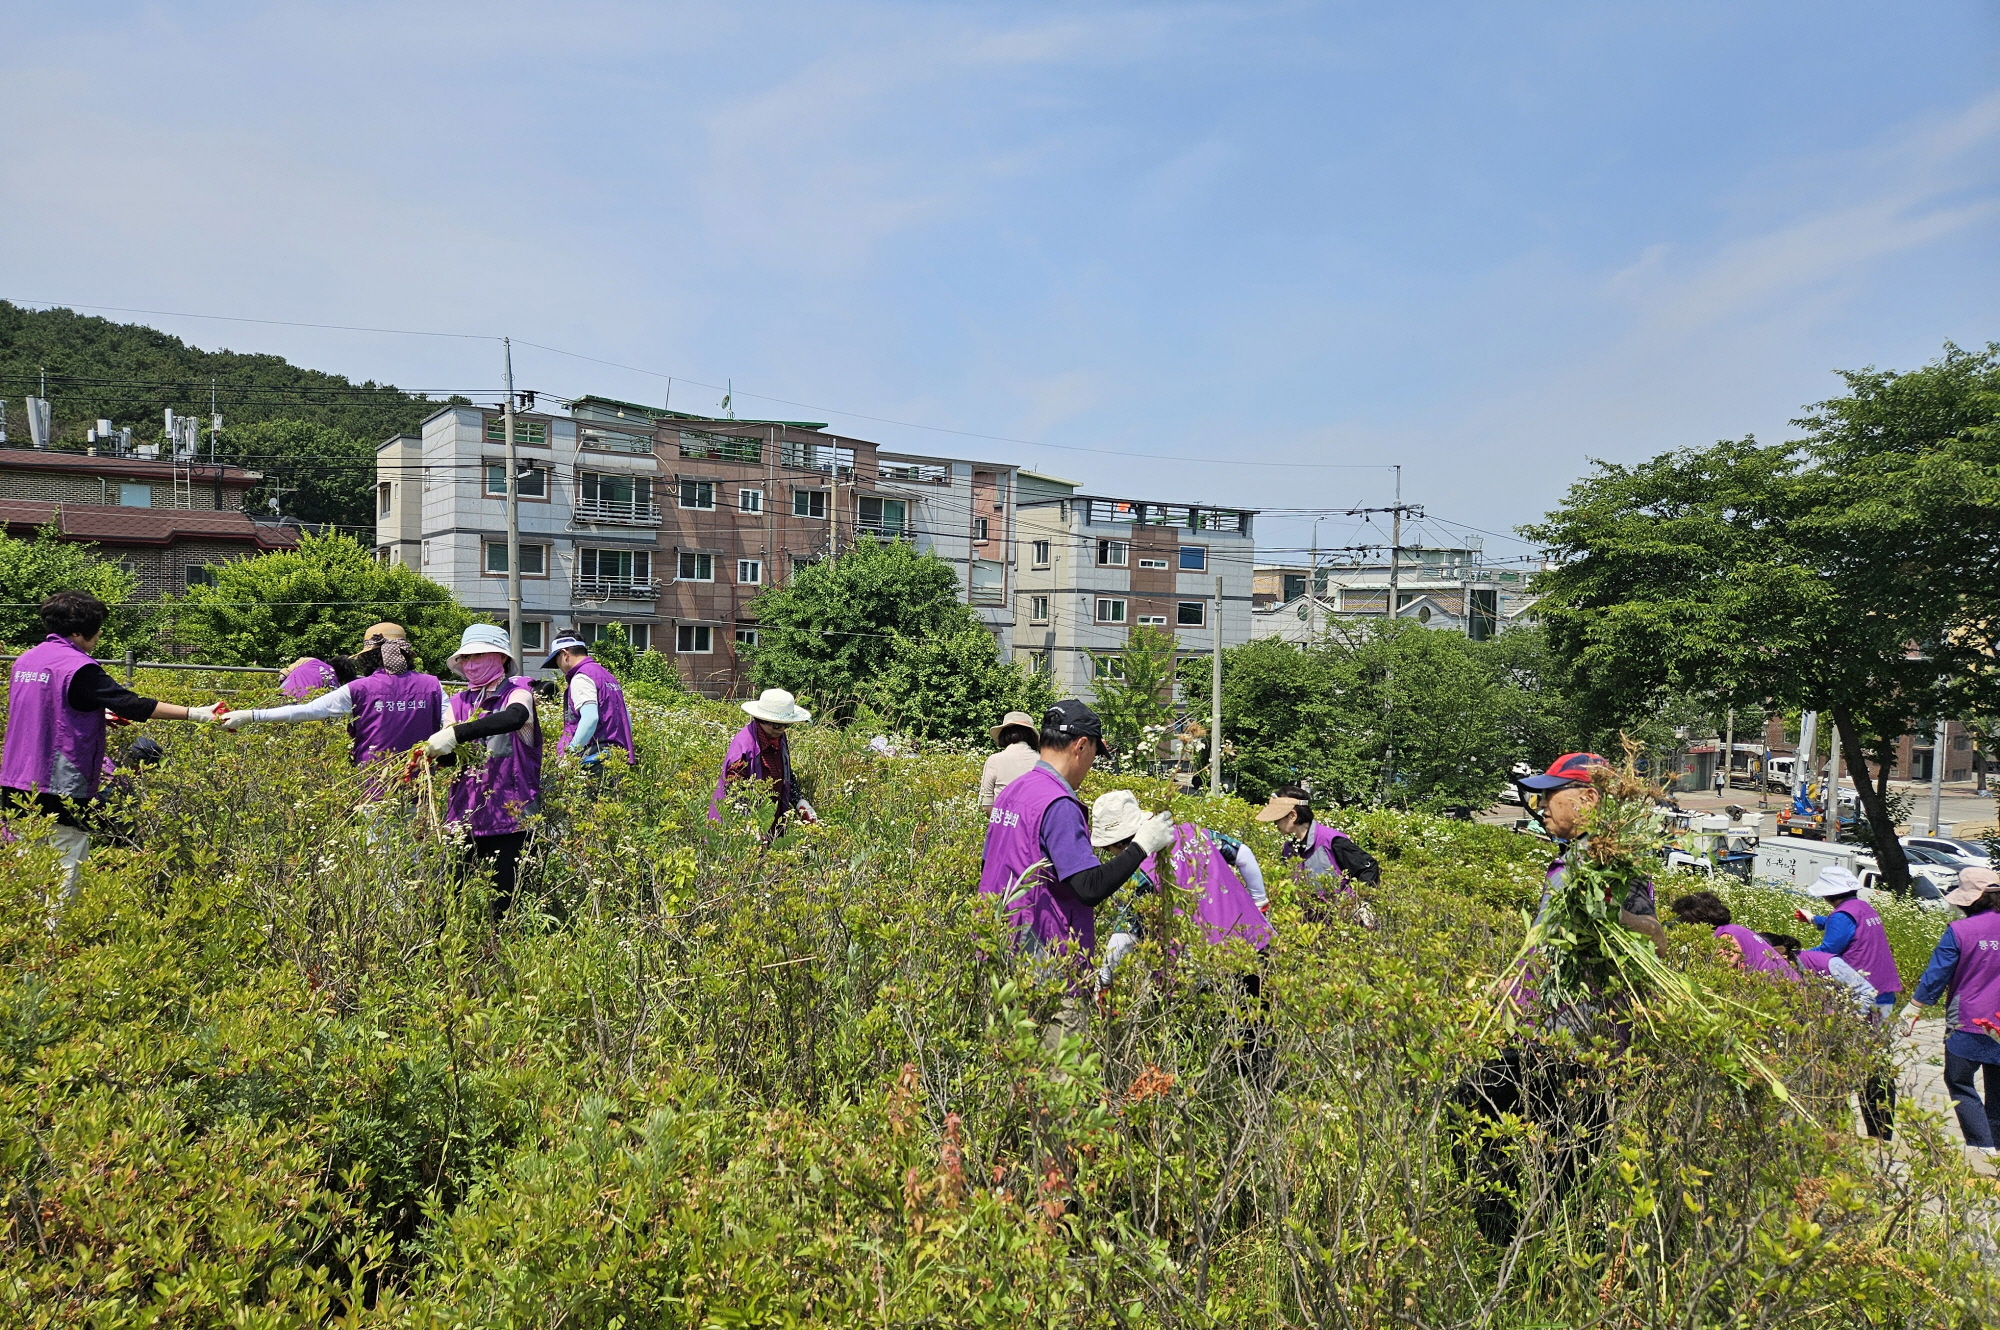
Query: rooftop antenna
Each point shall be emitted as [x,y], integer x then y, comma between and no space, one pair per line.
[729,398]
[669,403]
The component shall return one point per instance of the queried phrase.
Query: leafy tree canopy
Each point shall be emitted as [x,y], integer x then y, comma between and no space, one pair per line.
[313,601]
[1855,571]
[835,628]
[33,570]
[316,472]
[1134,696]
[953,686]
[1396,712]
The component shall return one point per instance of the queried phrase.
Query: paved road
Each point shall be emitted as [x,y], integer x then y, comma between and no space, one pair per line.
[1969,812]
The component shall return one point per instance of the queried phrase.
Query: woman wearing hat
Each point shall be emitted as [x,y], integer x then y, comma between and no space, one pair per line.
[391,706]
[1965,969]
[492,799]
[594,714]
[1853,933]
[1325,856]
[1219,874]
[762,752]
[1016,735]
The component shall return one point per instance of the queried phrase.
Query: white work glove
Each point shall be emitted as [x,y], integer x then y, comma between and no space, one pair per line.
[1910,1014]
[237,720]
[1155,833]
[444,743]
[203,715]
[807,811]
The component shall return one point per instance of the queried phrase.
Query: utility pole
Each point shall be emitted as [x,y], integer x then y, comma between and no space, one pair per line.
[1396,511]
[1215,703]
[1833,785]
[1312,589]
[1937,777]
[513,516]
[1396,549]
[1729,752]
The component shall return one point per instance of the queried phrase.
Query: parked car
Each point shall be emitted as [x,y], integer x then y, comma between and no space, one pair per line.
[1969,854]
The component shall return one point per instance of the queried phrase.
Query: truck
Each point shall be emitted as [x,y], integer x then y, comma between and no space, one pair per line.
[1791,863]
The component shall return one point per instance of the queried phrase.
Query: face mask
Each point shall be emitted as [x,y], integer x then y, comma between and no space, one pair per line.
[483,670]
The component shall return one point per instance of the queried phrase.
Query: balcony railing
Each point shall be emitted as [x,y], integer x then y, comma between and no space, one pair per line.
[881,530]
[598,588]
[614,441]
[917,472]
[987,595]
[721,447]
[618,512]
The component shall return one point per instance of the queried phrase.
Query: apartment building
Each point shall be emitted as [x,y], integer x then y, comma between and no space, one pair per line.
[1094,567]
[588,516]
[168,522]
[1452,588]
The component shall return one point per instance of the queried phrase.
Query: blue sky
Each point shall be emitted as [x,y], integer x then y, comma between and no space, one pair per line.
[1485,243]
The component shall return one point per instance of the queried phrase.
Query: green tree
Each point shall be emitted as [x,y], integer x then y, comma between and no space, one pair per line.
[1329,713]
[1134,695]
[834,628]
[33,570]
[1855,572]
[953,685]
[313,601]
[1538,712]
[317,472]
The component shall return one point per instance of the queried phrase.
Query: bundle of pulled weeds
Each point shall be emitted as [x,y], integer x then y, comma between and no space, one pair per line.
[1580,963]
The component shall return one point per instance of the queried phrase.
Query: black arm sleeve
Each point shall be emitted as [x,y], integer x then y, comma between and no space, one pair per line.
[504,721]
[1094,884]
[91,689]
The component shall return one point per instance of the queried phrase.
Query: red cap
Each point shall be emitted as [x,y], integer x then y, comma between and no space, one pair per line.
[1569,769]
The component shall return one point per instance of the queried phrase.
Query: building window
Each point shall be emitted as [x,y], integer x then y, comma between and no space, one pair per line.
[800,562]
[1191,613]
[640,635]
[200,574]
[1110,611]
[532,637]
[1041,553]
[979,530]
[616,567]
[1038,609]
[525,431]
[1042,662]
[749,501]
[1484,617]
[750,572]
[534,481]
[1112,553]
[385,555]
[697,494]
[696,567]
[694,639]
[607,494]
[882,517]
[1153,620]
[746,637]
[1107,667]
[534,559]
[1152,563]
[808,503]
[1194,558]
[384,498]
[135,496]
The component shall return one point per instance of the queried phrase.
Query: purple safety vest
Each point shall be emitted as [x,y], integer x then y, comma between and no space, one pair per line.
[1758,954]
[492,797]
[745,745]
[1869,952]
[51,747]
[614,722]
[1016,868]
[1974,991]
[1224,906]
[393,713]
[308,678]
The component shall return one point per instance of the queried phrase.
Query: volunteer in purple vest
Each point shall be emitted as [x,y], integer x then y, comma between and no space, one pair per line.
[1965,970]
[1748,950]
[594,714]
[760,754]
[306,676]
[1853,933]
[390,708]
[1878,1092]
[1219,876]
[1038,863]
[1316,850]
[52,756]
[494,797]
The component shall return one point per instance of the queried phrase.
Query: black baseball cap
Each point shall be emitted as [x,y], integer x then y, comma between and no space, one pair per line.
[1073,719]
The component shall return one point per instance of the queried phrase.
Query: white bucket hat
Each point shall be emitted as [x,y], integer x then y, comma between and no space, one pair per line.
[1833,880]
[482,639]
[1115,816]
[778,707]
